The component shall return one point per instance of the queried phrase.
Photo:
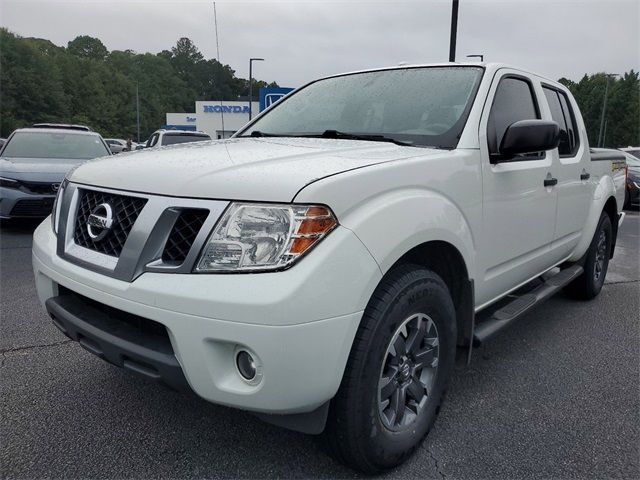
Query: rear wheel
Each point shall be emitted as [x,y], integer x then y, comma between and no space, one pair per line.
[627,199]
[397,372]
[596,263]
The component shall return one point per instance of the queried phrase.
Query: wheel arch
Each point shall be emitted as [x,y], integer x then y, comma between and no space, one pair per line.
[441,239]
[604,200]
[444,259]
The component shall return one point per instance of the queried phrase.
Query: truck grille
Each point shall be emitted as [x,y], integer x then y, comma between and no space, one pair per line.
[133,232]
[125,213]
[183,234]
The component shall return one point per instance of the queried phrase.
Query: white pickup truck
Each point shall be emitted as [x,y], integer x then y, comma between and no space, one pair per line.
[321,267]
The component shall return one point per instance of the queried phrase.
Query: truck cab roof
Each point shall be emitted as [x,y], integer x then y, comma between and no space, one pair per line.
[489,67]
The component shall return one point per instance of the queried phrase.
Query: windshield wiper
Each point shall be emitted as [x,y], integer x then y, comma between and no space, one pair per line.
[258,133]
[357,136]
[334,134]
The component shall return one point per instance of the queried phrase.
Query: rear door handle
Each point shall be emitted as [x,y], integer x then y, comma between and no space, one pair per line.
[585,176]
[550,182]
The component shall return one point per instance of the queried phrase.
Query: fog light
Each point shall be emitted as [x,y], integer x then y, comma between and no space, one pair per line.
[246,365]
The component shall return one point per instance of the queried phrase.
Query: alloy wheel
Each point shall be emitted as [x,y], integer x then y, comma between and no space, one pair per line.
[408,372]
[601,256]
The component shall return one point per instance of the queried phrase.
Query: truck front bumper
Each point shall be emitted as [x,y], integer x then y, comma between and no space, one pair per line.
[299,324]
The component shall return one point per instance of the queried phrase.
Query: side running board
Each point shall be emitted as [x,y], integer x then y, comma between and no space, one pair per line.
[503,317]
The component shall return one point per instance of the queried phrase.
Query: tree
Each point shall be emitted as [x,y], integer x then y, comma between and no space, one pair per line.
[184,56]
[31,84]
[87,47]
[623,107]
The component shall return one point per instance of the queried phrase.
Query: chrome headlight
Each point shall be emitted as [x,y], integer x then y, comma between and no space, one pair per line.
[55,212]
[262,237]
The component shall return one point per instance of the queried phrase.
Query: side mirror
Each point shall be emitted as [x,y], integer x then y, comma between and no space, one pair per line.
[530,136]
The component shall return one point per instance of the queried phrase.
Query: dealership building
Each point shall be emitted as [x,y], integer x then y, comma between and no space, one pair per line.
[223,118]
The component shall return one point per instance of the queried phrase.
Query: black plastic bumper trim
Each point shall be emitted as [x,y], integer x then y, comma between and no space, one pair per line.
[117,342]
[311,423]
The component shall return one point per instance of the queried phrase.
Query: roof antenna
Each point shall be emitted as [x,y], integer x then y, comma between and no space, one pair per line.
[215,23]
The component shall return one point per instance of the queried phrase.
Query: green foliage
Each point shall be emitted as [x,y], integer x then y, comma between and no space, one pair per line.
[85,83]
[622,119]
[87,47]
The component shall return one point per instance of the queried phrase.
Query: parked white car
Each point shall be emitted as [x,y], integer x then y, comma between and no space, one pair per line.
[320,267]
[116,145]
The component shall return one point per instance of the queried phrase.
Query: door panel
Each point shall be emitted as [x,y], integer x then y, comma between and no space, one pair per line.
[574,183]
[519,212]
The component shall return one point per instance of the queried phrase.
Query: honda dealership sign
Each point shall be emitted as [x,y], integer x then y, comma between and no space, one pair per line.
[270,95]
[222,108]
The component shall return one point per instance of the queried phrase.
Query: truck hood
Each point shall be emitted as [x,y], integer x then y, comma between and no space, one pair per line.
[36,169]
[259,169]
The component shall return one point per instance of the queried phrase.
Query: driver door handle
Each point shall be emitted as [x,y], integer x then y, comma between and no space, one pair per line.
[550,182]
[585,176]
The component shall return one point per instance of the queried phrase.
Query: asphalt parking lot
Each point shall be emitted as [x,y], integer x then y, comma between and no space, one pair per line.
[556,396]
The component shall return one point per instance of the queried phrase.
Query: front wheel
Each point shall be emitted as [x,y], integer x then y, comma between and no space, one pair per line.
[596,263]
[397,372]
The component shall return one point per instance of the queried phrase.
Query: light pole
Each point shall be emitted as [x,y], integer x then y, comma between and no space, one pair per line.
[251,60]
[138,110]
[454,31]
[604,109]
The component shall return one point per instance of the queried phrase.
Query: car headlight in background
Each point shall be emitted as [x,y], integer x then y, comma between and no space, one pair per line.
[55,212]
[9,183]
[262,237]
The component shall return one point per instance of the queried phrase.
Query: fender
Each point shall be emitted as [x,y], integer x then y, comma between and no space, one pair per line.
[397,206]
[387,225]
[604,190]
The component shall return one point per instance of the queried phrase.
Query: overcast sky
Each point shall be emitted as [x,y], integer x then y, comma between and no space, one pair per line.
[301,40]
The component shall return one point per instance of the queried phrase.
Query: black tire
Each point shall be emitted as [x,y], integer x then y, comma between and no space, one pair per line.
[596,263]
[627,200]
[355,432]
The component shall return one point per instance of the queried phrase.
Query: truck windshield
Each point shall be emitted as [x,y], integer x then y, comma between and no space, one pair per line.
[54,145]
[424,106]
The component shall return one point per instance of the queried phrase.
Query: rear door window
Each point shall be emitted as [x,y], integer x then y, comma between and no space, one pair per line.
[564,147]
[570,119]
[563,115]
